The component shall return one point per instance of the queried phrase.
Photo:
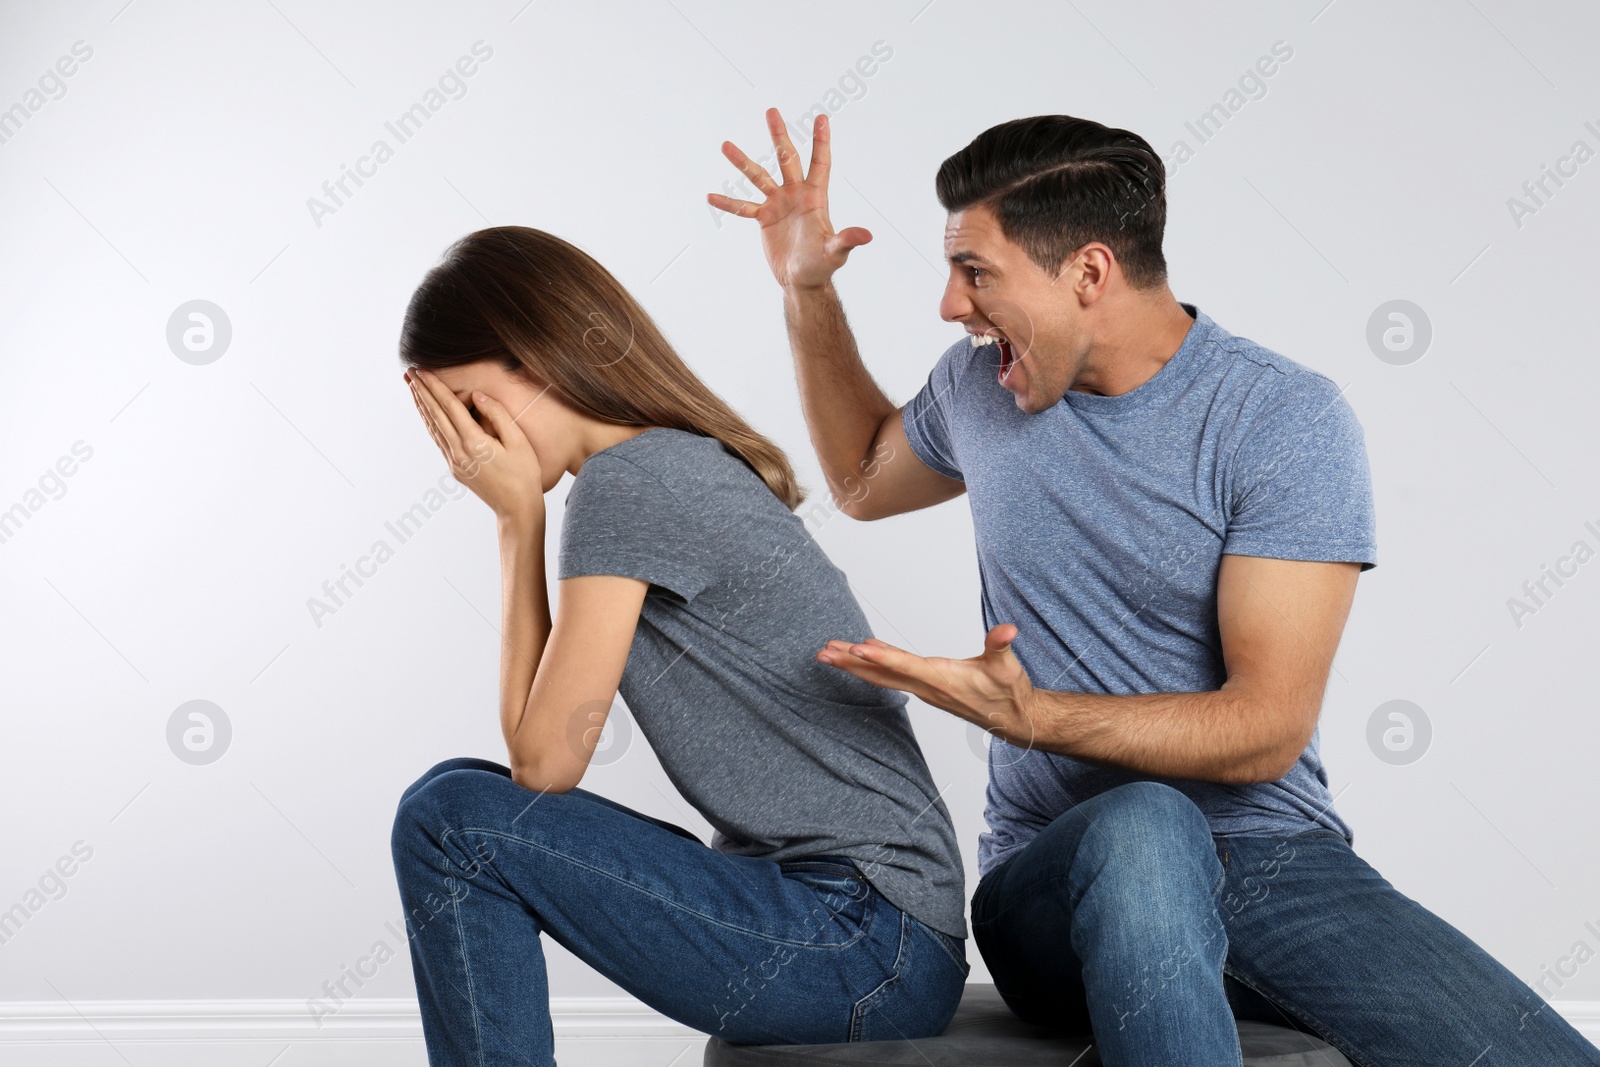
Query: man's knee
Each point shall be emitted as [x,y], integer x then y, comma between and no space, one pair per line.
[1144,842]
[1149,809]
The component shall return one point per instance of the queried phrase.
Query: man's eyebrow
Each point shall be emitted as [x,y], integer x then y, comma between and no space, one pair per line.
[965,256]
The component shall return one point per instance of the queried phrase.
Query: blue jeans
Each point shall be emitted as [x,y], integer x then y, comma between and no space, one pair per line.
[1125,916]
[746,949]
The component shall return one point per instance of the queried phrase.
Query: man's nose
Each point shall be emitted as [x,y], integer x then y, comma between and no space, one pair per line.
[954,305]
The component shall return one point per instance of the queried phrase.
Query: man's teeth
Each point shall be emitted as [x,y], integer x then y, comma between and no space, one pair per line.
[981,339]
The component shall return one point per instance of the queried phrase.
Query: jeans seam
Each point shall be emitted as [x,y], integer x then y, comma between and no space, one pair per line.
[858,1014]
[1281,1003]
[940,936]
[466,967]
[857,936]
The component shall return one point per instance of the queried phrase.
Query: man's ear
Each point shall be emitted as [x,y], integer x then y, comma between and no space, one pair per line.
[1095,262]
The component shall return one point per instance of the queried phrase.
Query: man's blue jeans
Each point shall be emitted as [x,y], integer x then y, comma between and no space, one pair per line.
[746,949]
[1126,916]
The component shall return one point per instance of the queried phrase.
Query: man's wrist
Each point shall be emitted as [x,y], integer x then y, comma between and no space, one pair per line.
[1030,719]
[797,293]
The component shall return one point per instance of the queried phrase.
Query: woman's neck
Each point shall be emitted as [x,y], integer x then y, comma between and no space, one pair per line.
[596,436]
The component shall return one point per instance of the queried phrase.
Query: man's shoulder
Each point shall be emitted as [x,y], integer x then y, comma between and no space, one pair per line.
[1269,381]
[958,356]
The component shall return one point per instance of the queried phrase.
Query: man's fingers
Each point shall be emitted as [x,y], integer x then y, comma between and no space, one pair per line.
[742,208]
[877,675]
[821,154]
[895,659]
[849,238]
[788,158]
[998,640]
[749,168]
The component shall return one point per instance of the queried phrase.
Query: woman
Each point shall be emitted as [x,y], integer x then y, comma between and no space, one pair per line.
[830,904]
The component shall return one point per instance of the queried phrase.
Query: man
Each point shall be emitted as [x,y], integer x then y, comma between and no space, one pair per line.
[1170,521]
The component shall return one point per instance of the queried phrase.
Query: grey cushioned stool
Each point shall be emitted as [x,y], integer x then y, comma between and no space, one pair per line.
[984,1033]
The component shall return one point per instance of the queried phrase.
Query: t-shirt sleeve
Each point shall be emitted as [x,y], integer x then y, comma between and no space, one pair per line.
[621,519]
[1300,485]
[927,417]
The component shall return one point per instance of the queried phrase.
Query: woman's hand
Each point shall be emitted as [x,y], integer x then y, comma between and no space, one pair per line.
[496,462]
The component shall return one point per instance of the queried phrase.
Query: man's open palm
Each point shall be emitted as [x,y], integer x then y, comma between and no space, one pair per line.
[801,247]
[991,690]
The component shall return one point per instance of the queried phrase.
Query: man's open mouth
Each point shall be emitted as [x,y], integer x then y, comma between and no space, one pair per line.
[1008,356]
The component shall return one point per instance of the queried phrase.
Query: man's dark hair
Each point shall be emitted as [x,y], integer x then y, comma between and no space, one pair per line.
[1056,183]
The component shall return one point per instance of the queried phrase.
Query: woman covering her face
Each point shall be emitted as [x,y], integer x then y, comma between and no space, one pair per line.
[828,905]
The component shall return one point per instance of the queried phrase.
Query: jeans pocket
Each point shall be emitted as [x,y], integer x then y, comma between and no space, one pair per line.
[844,897]
[920,992]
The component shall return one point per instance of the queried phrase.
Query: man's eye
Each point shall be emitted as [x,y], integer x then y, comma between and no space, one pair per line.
[976,271]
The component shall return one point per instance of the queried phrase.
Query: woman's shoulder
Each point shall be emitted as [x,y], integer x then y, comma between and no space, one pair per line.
[691,465]
[655,455]
[656,446]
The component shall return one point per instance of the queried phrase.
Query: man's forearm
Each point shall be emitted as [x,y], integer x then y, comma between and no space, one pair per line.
[525,615]
[843,406]
[1220,736]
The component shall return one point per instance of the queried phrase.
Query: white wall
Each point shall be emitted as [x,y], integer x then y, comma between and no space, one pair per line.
[218,498]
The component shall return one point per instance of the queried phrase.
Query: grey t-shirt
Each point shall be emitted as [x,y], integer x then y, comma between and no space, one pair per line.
[1100,524]
[783,755]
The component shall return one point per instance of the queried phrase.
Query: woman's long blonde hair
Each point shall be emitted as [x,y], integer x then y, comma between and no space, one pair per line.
[533,302]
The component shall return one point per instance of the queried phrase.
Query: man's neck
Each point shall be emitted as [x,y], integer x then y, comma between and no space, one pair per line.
[1135,347]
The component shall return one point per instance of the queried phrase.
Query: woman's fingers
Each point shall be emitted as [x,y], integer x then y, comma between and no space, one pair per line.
[456,414]
[500,420]
[427,416]
[446,433]
[749,168]
[437,423]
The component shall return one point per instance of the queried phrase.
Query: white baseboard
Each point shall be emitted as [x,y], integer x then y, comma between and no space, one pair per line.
[357,1019]
[372,1019]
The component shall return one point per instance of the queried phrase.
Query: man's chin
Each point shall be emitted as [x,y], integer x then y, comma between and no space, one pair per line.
[1026,402]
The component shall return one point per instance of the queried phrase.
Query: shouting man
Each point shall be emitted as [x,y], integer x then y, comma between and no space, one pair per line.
[1170,522]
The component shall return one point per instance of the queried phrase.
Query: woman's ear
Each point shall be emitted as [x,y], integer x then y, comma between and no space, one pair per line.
[520,372]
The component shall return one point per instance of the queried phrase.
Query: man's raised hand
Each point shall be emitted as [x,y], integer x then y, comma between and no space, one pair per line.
[801,247]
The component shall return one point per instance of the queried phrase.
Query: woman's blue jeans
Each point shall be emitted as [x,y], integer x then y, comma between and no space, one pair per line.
[1126,916]
[746,949]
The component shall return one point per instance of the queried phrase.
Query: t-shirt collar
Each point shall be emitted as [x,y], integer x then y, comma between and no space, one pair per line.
[1173,375]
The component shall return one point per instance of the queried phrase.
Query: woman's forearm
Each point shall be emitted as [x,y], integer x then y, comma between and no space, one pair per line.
[525,615]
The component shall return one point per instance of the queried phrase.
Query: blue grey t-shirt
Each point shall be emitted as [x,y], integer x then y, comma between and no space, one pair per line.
[1100,524]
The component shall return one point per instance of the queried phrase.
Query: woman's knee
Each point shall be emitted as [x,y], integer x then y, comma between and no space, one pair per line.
[460,763]
[437,797]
